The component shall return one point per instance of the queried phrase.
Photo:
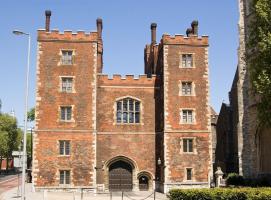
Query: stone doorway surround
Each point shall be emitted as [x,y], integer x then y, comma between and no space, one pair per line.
[131,162]
[150,178]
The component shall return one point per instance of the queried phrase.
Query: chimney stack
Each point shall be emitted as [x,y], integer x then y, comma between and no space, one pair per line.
[195,27]
[189,32]
[47,22]
[153,33]
[99,23]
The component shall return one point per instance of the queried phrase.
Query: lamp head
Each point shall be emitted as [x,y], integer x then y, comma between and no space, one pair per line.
[17,32]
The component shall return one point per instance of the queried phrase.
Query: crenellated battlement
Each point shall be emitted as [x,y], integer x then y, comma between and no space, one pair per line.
[117,79]
[185,40]
[67,35]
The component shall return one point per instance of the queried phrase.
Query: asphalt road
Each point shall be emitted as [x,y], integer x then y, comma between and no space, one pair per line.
[8,182]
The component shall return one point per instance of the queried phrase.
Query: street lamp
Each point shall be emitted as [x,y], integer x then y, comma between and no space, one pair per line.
[17,32]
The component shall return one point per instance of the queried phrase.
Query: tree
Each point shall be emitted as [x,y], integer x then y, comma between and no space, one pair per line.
[259,57]
[10,132]
[3,146]
[31,115]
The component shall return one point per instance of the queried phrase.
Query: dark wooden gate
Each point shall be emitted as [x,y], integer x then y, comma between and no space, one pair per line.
[120,176]
[143,183]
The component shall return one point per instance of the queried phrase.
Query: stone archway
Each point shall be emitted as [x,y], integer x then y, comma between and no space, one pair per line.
[124,166]
[120,176]
[145,181]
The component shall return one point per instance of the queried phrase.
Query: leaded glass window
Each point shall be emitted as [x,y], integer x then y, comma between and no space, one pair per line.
[128,111]
[187,60]
[64,147]
[64,177]
[186,88]
[66,84]
[187,116]
[66,113]
[66,58]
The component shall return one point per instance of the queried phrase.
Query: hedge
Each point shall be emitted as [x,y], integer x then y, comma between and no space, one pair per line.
[221,194]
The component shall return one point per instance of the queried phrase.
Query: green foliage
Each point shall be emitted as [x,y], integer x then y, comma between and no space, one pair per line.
[28,142]
[31,115]
[221,194]
[3,144]
[8,125]
[235,179]
[259,57]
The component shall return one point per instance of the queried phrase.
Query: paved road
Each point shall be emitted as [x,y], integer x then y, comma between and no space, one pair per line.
[8,182]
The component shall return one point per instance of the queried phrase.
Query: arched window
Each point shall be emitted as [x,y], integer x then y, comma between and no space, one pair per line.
[128,111]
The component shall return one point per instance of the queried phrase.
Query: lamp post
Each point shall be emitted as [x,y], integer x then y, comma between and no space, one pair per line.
[17,32]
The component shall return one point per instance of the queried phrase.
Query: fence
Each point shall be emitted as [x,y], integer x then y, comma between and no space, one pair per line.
[91,195]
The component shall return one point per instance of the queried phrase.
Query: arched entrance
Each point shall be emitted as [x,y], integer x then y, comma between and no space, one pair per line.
[120,176]
[143,183]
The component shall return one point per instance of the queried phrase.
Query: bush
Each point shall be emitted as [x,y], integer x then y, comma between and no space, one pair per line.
[221,194]
[235,179]
[259,182]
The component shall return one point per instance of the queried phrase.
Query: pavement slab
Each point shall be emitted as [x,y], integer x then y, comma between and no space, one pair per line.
[12,194]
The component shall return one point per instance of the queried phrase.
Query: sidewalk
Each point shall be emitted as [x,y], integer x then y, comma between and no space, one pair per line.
[12,195]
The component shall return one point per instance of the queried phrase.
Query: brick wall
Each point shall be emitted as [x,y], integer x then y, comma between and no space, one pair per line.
[135,142]
[49,128]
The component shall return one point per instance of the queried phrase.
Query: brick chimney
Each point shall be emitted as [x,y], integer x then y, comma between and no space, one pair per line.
[47,22]
[195,27]
[99,23]
[153,33]
[189,32]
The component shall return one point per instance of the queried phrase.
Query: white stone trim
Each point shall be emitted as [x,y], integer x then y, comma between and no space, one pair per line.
[128,87]
[166,121]
[65,130]
[208,116]
[94,113]
[188,131]
[126,133]
[35,164]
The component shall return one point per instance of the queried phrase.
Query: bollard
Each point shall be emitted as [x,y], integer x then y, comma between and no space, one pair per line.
[154,194]
[121,195]
[44,194]
[73,195]
[81,193]
[110,195]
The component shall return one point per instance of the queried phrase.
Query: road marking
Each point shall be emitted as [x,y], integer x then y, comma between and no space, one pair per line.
[9,180]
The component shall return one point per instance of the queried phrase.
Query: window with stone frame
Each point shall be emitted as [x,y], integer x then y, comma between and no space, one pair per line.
[187,116]
[188,146]
[65,113]
[128,111]
[64,147]
[187,60]
[189,174]
[66,57]
[186,88]
[65,176]
[67,84]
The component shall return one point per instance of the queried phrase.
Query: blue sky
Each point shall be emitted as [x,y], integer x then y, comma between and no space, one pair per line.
[126,30]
